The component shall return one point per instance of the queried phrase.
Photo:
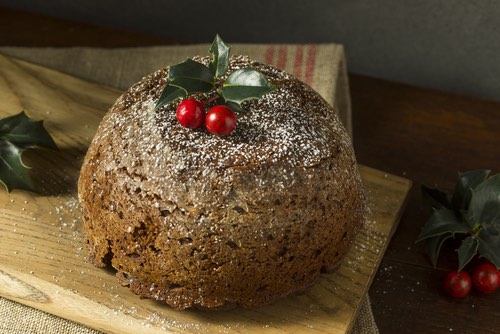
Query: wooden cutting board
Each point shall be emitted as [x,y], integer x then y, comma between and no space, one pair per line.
[43,258]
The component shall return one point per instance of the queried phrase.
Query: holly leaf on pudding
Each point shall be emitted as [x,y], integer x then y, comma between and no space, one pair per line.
[245,84]
[186,78]
[191,76]
[169,94]
[18,133]
[220,57]
[234,106]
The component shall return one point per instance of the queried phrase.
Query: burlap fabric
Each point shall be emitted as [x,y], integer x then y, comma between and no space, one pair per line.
[321,66]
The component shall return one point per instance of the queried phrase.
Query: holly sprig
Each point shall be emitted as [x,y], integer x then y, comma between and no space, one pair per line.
[190,77]
[471,212]
[17,134]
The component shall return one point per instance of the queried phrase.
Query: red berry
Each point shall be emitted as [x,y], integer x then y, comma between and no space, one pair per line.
[486,278]
[221,120]
[190,113]
[457,284]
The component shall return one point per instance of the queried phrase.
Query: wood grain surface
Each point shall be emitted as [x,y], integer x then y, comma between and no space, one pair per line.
[42,255]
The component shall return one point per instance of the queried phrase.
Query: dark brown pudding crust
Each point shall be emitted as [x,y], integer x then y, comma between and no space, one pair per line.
[193,219]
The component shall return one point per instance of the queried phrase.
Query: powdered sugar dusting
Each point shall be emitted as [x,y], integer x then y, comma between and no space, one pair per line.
[293,124]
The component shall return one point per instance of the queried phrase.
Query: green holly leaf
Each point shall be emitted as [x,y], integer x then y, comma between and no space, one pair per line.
[245,84]
[484,207]
[436,198]
[220,57]
[463,189]
[474,210]
[489,246]
[234,106]
[18,133]
[433,246]
[13,173]
[191,76]
[24,132]
[186,78]
[492,229]
[489,217]
[466,251]
[441,222]
[169,94]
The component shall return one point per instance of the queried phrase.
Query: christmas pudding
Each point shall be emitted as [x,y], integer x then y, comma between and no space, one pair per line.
[241,205]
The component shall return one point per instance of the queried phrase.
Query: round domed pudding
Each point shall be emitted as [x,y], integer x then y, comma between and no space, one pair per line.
[199,220]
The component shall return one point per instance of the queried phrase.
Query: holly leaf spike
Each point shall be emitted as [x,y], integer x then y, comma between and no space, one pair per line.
[489,246]
[17,134]
[24,132]
[441,222]
[435,197]
[169,94]
[220,57]
[463,189]
[466,251]
[433,246]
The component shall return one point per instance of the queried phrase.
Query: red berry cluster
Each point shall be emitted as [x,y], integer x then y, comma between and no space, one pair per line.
[485,278]
[220,120]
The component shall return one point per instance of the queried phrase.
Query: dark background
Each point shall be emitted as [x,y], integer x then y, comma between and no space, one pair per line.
[451,45]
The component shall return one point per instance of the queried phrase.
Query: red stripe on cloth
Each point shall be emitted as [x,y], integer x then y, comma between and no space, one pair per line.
[299,62]
[269,55]
[282,55]
[310,63]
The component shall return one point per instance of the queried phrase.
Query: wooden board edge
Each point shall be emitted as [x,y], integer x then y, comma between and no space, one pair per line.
[406,187]
[29,290]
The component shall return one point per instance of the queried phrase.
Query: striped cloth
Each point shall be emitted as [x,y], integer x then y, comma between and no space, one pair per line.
[302,68]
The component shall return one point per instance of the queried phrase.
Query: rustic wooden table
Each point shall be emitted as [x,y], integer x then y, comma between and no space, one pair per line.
[424,135]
